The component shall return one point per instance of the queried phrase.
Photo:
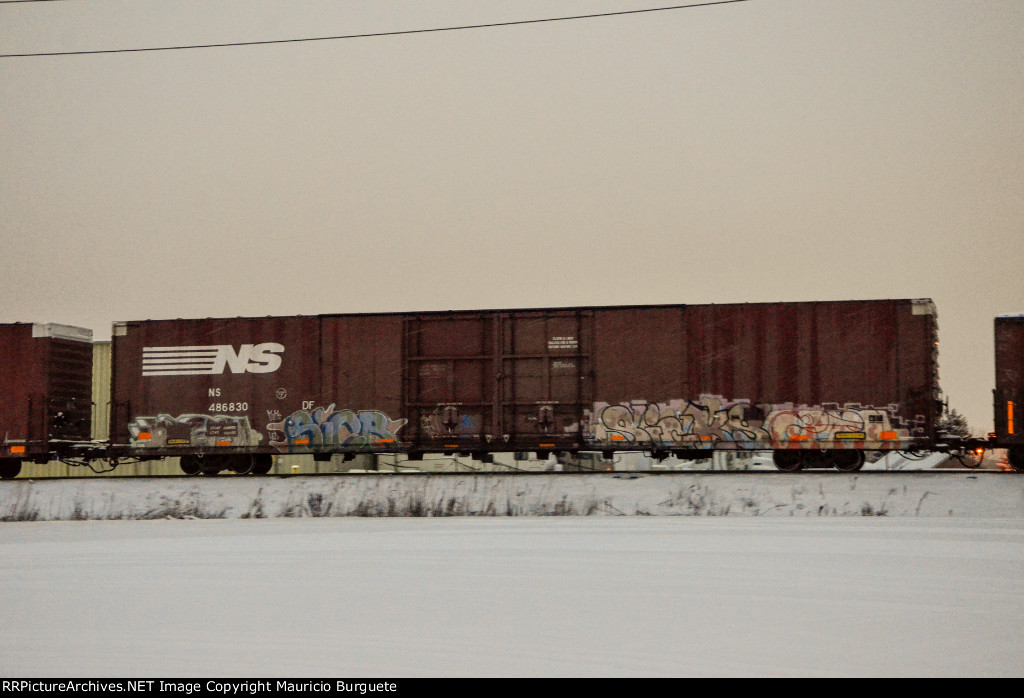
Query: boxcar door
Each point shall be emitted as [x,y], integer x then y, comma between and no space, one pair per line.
[546,378]
[450,382]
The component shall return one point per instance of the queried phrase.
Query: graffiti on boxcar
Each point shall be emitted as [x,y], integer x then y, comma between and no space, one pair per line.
[848,423]
[714,421]
[710,419]
[326,427]
[446,419]
[166,431]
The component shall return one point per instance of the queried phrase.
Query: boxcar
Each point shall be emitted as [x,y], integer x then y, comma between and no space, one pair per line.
[1009,386]
[46,383]
[818,383]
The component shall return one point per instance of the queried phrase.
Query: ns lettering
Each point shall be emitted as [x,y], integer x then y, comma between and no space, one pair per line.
[215,359]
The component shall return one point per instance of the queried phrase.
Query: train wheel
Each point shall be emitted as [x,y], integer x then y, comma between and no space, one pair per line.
[1015,454]
[190,465]
[263,462]
[788,461]
[212,465]
[848,460]
[242,465]
[9,468]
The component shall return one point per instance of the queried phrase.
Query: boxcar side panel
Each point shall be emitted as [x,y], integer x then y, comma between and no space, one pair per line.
[45,383]
[359,408]
[68,404]
[1009,386]
[919,399]
[213,385]
[856,374]
[23,386]
[640,354]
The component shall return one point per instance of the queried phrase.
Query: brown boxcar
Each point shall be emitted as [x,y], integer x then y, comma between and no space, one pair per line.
[1009,387]
[46,384]
[798,378]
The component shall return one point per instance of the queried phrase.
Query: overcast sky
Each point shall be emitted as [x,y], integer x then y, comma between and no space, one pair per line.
[767,150]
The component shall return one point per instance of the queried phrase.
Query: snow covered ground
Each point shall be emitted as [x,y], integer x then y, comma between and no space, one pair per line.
[768,494]
[521,596]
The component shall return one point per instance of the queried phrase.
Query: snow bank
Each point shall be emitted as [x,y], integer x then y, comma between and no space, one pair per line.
[985,494]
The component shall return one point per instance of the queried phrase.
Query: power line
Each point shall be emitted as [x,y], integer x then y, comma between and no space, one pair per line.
[363,36]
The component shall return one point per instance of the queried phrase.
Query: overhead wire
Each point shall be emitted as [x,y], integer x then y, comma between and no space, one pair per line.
[366,35]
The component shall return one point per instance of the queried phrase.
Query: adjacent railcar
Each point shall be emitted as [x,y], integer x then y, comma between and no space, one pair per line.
[818,383]
[1009,390]
[46,383]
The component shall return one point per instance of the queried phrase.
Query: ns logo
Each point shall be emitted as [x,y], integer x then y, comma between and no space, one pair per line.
[211,360]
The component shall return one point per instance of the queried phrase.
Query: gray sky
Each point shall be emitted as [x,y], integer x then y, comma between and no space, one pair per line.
[770,150]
